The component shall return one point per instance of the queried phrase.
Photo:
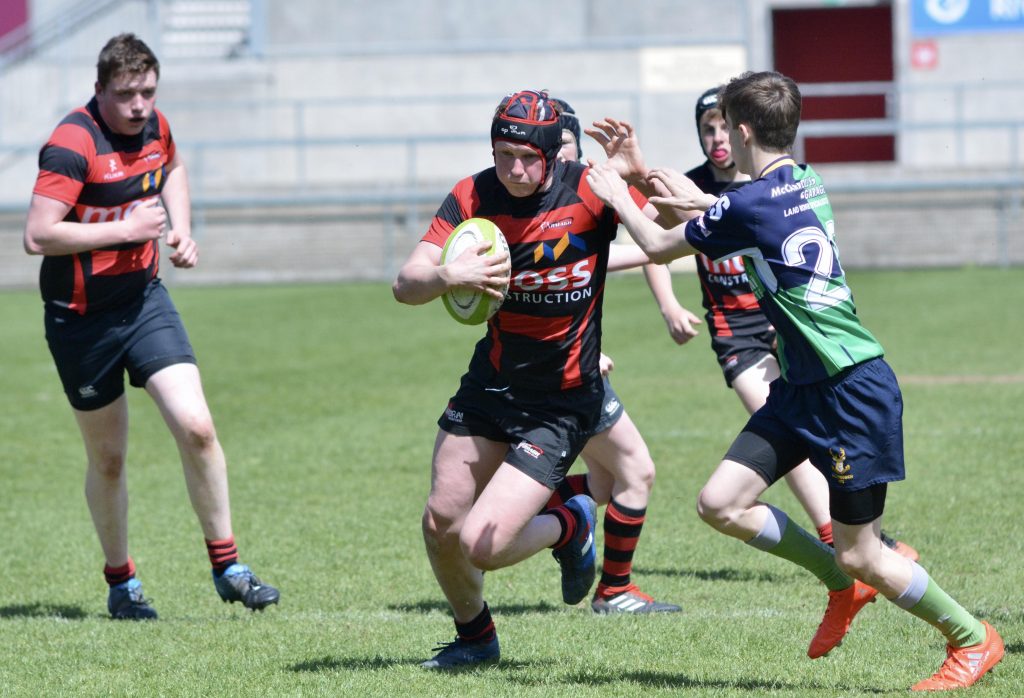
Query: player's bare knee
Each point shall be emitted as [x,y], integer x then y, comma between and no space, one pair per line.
[108,465]
[855,564]
[479,550]
[198,435]
[437,529]
[713,511]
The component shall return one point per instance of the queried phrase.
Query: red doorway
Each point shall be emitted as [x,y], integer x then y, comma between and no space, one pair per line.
[839,45]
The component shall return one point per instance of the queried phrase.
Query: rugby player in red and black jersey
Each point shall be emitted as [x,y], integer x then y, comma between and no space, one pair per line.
[741,336]
[620,470]
[533,392]
[96,218]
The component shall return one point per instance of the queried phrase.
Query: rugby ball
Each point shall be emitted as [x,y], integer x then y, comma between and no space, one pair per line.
[465,305]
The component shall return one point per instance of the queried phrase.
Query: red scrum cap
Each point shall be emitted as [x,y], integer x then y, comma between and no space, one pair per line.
[530,117]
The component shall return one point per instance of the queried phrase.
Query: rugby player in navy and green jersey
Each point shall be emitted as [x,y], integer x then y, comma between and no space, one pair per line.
[96,218]
[533,392]
[837,401]
[741,336]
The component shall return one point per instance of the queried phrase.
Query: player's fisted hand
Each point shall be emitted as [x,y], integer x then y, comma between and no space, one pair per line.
[147,221]
[186,251]
[605,364]
[681,324]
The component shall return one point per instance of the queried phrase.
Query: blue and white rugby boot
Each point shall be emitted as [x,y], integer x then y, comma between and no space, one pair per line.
[126,602]
[238,583]
[460,654]
[578,557]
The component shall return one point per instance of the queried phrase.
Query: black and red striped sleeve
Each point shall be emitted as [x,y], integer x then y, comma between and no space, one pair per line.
[64,163]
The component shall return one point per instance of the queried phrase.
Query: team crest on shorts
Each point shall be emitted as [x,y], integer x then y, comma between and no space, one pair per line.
[840,468]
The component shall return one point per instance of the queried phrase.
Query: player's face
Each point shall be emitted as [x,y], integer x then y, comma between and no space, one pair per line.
[520,168]
[127,101]
[569,151]
[714,136]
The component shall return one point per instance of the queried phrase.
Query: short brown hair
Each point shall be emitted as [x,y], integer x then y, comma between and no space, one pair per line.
[767,102]
[125,54]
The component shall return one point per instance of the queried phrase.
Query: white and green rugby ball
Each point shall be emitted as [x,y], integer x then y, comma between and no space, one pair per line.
[465,305]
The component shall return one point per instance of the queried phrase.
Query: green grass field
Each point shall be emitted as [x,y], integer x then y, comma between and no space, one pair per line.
[326,397]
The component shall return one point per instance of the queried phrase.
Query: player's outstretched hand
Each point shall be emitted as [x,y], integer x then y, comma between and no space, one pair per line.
[606,183]
[678,191]
[479,271]
[621,147]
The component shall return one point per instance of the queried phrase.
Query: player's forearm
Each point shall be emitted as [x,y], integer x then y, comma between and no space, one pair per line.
[65,237]
[659,279]
[419,283]
[177,199]
[661,245]
[626,256]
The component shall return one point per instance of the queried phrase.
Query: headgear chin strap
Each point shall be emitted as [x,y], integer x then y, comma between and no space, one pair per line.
[530,117]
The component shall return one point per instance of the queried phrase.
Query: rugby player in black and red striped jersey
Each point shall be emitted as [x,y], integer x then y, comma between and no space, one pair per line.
[96,218]
[533,391]
[620,470]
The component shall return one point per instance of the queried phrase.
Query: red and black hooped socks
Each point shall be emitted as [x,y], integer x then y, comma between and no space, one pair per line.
[622,527]
[223,553]
[119,575]
[480,629]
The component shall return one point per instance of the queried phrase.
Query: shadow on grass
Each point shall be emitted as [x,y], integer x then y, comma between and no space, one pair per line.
[503,609]
[43,610]
[512,673]
[347,663]
[722,575]
[663,679]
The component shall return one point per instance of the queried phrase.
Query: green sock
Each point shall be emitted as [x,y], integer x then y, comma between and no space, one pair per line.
[783,538]
[926,600]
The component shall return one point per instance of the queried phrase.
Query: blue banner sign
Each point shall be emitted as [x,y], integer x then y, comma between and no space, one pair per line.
[931,17]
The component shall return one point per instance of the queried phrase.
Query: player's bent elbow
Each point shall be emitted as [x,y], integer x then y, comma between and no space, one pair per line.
[31,244]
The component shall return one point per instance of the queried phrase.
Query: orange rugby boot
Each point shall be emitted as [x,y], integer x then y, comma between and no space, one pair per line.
[843,605]
[965,665]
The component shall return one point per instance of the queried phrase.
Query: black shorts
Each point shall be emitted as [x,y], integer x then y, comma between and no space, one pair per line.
[611,409]
[737,353]
[545,430]
[92,352]
[849,426]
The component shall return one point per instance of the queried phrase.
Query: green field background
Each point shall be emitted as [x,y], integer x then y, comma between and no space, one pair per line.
[325,399]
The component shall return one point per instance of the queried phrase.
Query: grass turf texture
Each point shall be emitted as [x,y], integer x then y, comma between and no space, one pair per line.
[325,398]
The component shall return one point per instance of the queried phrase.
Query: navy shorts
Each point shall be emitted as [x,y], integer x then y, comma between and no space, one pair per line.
[611,409]
[737,353]
[849,426]
[545,430]
[92,352]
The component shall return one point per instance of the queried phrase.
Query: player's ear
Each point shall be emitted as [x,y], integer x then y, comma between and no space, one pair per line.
[747,133]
